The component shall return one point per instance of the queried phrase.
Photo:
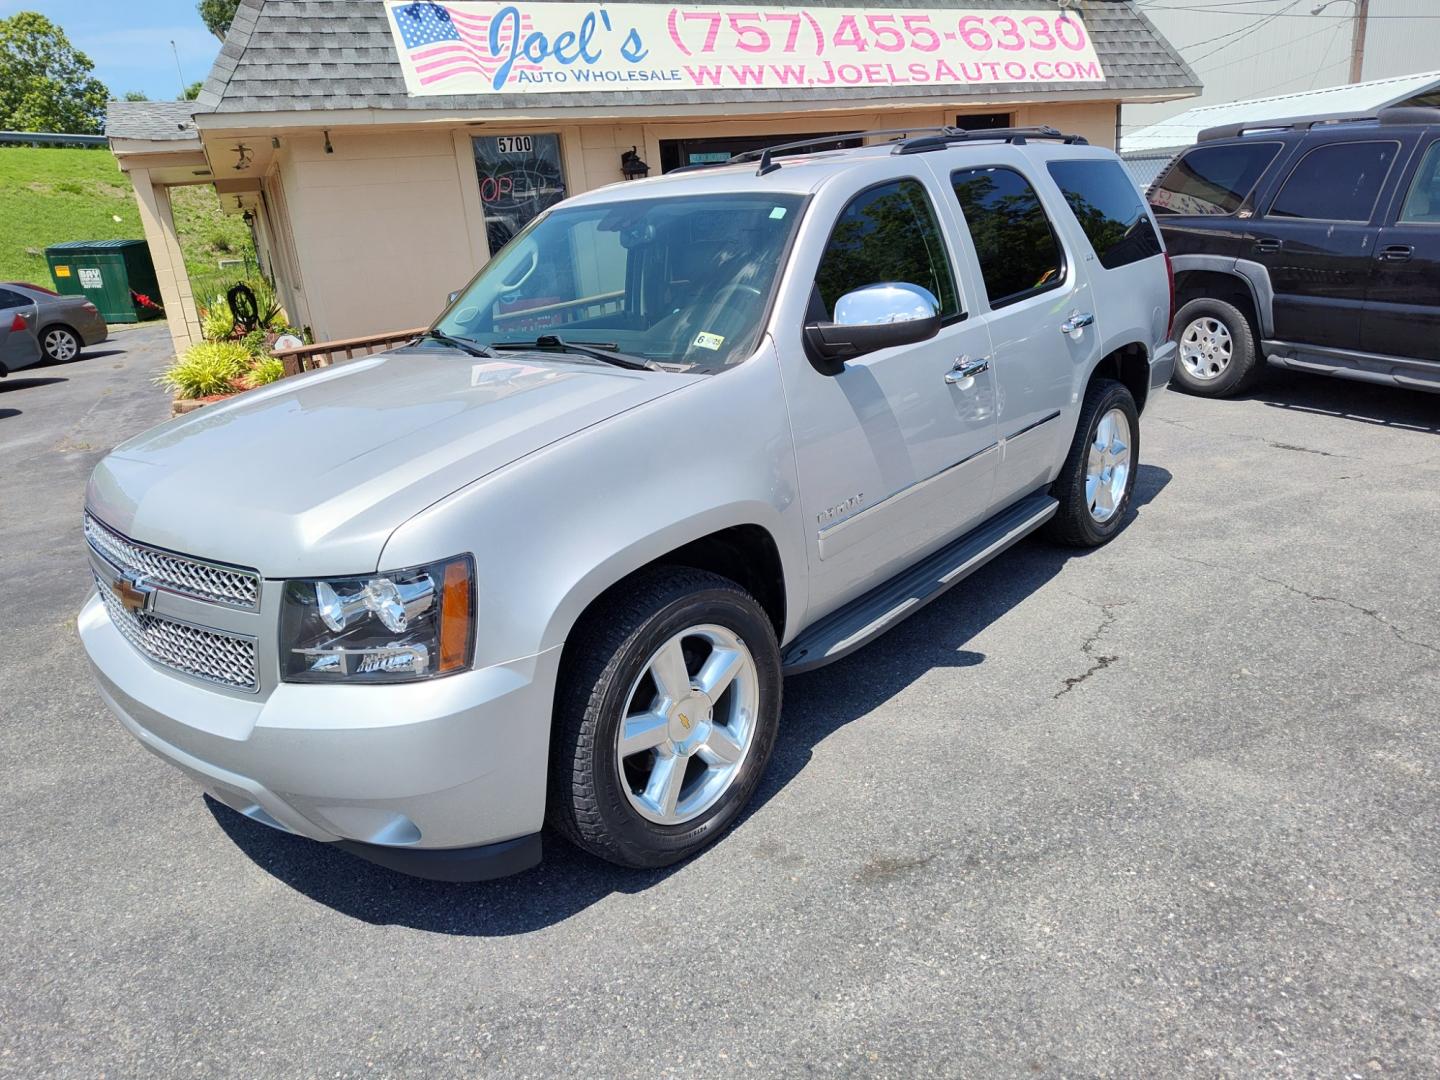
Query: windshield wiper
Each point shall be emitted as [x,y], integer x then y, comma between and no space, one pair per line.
[471,347]
[604,352]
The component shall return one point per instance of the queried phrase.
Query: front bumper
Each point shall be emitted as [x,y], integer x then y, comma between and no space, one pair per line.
[424,768]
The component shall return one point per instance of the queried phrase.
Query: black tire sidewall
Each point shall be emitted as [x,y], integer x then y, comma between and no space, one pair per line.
[1242,356]
[638,841]
[1074,523]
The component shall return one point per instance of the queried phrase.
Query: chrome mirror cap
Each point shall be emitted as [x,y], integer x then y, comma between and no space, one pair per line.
[890,302]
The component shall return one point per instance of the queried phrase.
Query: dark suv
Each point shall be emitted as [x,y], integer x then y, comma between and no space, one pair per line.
[1314,243]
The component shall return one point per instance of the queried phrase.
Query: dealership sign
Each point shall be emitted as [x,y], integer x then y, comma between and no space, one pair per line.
[474,47]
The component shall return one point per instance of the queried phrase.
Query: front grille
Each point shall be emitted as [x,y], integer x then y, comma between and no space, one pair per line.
[227,659]
[233,586]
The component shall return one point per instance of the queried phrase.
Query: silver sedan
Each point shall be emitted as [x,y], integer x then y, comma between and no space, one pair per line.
[37,324]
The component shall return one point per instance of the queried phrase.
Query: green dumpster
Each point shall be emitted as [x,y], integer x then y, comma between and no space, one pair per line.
[108,273]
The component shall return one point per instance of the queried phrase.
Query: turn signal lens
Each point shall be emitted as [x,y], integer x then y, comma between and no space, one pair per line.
[457,616]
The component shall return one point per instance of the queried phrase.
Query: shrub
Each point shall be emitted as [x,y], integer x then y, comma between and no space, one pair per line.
[256,342]
[266,370]
[211,367]
[216,321]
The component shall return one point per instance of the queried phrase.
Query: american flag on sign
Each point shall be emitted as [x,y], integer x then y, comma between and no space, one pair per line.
[443,42]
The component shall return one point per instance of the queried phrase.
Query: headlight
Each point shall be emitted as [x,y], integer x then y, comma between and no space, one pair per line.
[393,627]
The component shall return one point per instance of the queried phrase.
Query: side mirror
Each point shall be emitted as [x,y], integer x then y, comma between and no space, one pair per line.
[452,298]
[869,319]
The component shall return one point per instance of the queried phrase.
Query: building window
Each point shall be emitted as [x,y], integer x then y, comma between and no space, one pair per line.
[984,121]
[520,175]
[1014,241]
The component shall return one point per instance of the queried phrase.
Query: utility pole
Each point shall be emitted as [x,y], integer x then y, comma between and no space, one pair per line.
[1357,41]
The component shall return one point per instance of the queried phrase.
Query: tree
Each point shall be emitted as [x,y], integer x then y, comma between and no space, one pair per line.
[135,95]
[218,15]
[192,91]
[45,82]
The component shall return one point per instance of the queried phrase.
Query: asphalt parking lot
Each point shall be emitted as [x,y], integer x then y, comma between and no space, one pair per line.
[1167,808]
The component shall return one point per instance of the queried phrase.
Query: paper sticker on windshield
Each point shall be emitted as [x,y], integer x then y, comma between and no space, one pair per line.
[709,341]
[777,213]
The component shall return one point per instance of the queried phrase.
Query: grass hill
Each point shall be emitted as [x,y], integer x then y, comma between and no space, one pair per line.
[48,196]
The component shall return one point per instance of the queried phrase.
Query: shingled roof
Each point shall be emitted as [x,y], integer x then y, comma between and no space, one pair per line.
[156,121]
[294,55]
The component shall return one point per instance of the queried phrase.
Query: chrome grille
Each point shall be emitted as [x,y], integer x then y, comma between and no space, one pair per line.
[227,659]
[233,586]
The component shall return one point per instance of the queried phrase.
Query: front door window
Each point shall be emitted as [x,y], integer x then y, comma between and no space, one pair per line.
[520,175]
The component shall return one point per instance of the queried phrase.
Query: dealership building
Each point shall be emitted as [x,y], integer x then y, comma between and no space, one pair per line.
[382,149]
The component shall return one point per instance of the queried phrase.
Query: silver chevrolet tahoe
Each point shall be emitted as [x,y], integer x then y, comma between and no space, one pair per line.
[550,562]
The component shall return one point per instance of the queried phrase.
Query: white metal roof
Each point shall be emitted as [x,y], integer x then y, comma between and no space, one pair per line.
[1365,97]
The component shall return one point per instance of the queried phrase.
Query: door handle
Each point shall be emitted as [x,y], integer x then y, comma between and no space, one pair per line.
[965,368]
[1078,320]
[1269,244]
[1397,253]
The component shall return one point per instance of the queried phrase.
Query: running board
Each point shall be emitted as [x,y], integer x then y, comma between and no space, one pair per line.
[866,618]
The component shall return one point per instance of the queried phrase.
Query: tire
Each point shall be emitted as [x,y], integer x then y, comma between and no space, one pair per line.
[1091,516]
[600,798]
[1215,349]
[60,344]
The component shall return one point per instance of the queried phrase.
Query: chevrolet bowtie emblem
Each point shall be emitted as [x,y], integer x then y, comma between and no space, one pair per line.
[684,721]
[133,593]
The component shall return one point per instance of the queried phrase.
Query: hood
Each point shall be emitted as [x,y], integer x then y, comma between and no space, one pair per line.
[310,476]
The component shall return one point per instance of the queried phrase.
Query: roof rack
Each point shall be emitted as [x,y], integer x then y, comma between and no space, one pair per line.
[1295,123]
[1399,114]
[1016,136]
[905,140]
[766,155]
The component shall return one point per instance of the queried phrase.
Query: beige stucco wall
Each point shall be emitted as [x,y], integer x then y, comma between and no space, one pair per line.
[158,222]
[390,222]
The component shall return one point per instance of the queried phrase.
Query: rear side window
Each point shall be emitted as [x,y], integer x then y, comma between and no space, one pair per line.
[1339,182]
[1019,254]
[1109,209]
[12,299]
[1422,205]
[1212,179]
[888,233]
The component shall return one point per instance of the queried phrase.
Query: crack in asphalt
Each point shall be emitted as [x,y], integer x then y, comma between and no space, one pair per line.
[1371,613]
[1300,449]
[1100,661]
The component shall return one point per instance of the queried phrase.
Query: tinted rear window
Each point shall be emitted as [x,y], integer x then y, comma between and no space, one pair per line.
[1018,252]
[1212,179]
[1109,209]
[1339,182]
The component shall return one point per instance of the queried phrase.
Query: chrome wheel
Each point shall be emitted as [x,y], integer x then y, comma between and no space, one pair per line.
[688,725]
[61,345]
[1206,347]
[1107,470]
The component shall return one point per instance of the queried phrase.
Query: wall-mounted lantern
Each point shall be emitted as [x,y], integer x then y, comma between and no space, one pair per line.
[631,167]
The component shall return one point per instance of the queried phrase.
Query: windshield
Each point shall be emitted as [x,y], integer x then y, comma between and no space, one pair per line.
[681,280]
